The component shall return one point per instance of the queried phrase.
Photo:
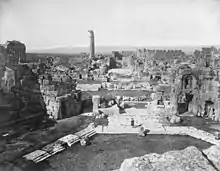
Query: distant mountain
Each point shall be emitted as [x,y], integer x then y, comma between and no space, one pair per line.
[77,50]
[109,49]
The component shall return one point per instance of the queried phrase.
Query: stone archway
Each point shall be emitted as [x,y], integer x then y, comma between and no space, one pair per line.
[184,101]
[184,89]
[209,108]
[186,85]
[187,81]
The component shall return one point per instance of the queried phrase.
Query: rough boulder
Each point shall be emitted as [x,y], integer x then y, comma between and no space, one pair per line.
[213,154]
[188,159]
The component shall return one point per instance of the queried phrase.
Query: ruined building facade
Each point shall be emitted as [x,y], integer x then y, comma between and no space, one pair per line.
[59,92]
[197,89]
[16,52]
[20,96]
[159,54]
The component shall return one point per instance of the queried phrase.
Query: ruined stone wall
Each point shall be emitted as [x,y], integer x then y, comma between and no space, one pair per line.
[88,87]
[52,105]
[63,106]
[59,104]
[127,86]
[70,106]
[8,81]
[16,52]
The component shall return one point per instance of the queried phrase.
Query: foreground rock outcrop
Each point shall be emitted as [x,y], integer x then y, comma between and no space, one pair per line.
[188,159]
[213,155]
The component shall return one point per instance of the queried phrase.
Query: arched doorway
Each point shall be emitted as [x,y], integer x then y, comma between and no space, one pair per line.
[184,99]
[187,81]
[209,108]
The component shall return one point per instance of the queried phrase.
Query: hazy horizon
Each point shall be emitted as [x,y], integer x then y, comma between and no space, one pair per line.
[42,24]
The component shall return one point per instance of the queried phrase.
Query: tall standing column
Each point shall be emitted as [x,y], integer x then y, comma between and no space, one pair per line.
[95,102]
[92,44]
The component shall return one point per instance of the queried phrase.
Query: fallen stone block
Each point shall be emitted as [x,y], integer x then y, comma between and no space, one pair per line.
[213,154]
[70,139]
[54,147]
[188,159]
[175,119]
[37,156]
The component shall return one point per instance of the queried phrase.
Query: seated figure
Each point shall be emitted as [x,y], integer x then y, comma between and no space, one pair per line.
[142,132]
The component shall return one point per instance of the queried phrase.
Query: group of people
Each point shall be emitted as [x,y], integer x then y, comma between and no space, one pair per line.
[209,112]
[182,98]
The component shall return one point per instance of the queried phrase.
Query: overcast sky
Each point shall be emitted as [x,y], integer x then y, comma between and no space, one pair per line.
[49,23]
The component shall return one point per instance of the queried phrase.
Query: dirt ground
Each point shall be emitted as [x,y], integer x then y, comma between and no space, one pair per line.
[108,151]
[200,123]
[14,149]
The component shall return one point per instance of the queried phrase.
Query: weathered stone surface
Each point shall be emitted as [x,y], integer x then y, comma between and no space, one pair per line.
[188,159]
[213,154]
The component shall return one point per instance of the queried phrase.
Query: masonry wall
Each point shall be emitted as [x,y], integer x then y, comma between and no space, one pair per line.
[61,106]
[69,107]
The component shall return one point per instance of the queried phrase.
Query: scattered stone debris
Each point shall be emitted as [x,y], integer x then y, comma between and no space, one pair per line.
[175,119]
[84,141]
[132,122]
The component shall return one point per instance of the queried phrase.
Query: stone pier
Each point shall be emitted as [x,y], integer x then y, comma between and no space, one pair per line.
[96,103]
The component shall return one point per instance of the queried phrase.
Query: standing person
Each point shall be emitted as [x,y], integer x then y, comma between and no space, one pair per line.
[199,111]
[213,114]
[132,122]
[108,78]
[121,105]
